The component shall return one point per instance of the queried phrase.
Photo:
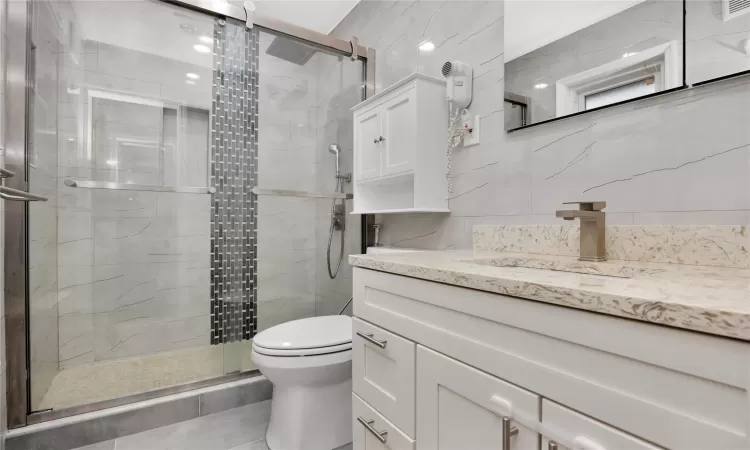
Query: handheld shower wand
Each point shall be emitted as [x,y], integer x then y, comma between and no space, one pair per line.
[338,214]
[336,150]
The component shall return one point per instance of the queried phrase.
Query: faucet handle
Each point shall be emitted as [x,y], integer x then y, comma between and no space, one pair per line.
[589,206]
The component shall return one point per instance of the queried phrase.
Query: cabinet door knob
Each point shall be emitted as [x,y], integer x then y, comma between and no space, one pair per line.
[375,141]
[381,139]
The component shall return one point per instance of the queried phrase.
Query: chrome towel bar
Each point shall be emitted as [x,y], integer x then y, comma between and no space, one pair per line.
[138,187]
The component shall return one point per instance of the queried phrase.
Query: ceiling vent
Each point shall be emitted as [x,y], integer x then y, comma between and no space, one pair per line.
[734,8]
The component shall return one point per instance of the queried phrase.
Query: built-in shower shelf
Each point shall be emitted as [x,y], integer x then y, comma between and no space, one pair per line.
[404,211]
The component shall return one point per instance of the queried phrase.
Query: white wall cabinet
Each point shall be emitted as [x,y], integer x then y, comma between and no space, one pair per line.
[465,359]
[369,158]
[400,136]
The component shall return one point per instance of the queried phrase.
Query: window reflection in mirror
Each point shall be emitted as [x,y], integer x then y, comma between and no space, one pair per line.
[718,39]
[564,57]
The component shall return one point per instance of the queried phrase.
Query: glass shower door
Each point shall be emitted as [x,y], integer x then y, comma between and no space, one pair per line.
[304,99]
[138,262]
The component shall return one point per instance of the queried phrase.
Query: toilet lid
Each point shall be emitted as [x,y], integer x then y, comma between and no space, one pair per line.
[313,332]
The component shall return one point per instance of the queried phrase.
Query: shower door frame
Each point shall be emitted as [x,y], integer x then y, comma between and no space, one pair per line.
[19,82]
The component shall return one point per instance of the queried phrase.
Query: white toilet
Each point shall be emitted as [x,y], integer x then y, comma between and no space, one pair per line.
[309,362]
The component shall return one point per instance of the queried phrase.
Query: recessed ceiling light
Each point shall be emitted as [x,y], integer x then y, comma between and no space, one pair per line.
[192,76]
[189,82]
[427,46]
[112,162]
[540,86]
[201,48]
[625,55]
[206,39]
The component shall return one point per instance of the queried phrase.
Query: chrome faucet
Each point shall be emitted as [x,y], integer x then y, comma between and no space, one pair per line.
[592,228]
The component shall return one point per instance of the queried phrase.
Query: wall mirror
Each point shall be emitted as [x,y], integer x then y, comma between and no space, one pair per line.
[566,57]
[718,39]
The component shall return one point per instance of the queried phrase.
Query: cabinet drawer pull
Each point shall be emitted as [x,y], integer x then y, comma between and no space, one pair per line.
[368,425]
[508,433]
[369,338]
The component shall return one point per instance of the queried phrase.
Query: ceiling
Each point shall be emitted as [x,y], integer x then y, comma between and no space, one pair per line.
[317,15]
[531,24]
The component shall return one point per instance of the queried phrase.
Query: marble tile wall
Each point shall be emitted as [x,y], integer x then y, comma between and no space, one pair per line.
[287,246]
[678,159]
[133,266]
[42,225]
[339,88]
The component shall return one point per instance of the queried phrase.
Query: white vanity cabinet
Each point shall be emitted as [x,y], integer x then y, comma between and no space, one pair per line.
[459,407]
[473,370]
[400,138]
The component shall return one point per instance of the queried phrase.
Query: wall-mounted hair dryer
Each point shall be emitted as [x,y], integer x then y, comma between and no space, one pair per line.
[460,79]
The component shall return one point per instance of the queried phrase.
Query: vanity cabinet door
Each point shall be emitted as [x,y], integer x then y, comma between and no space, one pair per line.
[576,431]
[461,408]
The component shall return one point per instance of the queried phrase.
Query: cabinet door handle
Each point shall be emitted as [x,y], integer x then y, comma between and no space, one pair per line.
[381,139]
[508,433]
[369,338]
[368,425]
[375,141]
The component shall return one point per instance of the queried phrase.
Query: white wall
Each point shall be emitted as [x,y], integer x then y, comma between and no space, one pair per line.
[678,159]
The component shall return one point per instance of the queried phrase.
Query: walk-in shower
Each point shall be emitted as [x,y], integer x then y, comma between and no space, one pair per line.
[185,159]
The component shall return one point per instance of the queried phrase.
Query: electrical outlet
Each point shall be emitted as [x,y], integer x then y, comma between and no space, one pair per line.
[470,126]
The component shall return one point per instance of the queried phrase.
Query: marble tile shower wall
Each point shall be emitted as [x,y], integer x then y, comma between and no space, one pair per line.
[43,233]
[339,88]
[678,159]
[286,160]
[133,266]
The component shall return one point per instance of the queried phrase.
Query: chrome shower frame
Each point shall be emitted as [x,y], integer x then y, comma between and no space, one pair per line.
[16,300]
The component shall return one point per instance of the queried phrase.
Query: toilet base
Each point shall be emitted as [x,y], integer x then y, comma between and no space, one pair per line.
[311,417]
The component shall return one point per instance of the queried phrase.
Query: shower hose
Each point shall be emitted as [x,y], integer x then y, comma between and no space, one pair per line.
[333,272]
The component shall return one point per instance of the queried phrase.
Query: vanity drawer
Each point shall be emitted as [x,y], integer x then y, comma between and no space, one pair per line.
[581,432]
[383,373]
[369,424]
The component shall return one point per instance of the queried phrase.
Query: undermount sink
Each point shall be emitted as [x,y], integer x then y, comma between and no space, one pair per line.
[566,264]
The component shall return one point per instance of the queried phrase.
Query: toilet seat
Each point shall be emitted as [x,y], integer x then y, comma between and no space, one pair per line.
[302,351]
[313,336]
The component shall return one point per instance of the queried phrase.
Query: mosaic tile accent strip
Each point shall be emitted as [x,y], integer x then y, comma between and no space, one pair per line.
[234,173]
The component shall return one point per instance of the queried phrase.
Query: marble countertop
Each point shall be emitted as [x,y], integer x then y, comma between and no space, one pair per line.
[713,300]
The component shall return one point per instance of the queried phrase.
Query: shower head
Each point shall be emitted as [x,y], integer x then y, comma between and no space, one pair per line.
[336,150]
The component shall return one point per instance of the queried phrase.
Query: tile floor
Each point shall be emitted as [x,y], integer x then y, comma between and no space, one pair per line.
[236,429]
